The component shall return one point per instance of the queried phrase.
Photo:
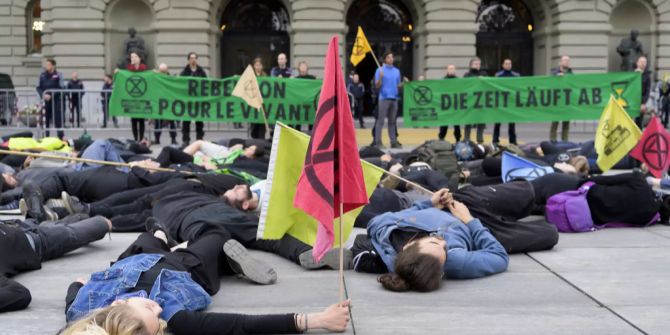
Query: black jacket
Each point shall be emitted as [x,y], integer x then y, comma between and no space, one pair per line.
[75,85]
[646,86]
[199,72]
[623,198]
[475,73]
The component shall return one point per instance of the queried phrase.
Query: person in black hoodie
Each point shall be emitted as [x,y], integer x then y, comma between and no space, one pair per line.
[192,69]
[357,89]
[451,73]
[475,71]
[646,87]
[511,127]
[106,96]
[75,98]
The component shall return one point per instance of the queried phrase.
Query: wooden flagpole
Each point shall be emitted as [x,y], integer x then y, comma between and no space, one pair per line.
[86,160]
[265,119]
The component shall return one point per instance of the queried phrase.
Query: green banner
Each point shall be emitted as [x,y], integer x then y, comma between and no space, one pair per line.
[153,95]
[519,99]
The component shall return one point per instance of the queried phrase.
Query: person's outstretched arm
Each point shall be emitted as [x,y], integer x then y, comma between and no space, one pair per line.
[333,319]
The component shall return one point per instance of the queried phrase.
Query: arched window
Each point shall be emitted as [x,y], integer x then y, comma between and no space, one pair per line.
[505,31]
[35,26]
[250,29]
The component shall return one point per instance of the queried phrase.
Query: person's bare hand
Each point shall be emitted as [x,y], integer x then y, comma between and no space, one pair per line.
[334,319]
[47,97]
[441,198]
[643,109]
[386,158]
[460,211]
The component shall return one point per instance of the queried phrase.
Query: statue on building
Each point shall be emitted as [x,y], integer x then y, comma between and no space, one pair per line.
[630,49]
[133,43]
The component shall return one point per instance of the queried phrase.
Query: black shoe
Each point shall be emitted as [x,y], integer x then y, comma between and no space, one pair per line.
[331,260]
[396,145]
[174,142]
[152,225]
[243,263]
[74,205]
[34,201]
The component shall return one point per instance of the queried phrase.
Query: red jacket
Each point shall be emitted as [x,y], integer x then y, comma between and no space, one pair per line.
[142,67]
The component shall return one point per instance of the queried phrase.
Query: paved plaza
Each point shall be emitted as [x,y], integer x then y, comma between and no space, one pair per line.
[607,282]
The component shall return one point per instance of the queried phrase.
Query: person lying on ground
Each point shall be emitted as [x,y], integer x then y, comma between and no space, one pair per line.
[24,245]
[208,154]
[623,198]
[136,201]
[421,245]
[154,289]
[186,213]
[488,171]
[90,185]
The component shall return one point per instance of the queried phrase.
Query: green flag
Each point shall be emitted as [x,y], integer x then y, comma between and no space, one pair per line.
[278,216]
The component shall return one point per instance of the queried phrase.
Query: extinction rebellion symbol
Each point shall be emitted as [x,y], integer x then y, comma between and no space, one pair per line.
[655,151]
[422,95]
[136,86]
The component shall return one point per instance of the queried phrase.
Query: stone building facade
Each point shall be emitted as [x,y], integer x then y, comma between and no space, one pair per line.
[88,35]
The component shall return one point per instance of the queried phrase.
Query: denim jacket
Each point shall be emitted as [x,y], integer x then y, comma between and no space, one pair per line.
[173,290]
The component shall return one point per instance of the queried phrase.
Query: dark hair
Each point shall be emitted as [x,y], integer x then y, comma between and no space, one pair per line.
[238,203]
[386,53]
[413,271]
[192,53]
[52,61]
[107,75]
[260,150]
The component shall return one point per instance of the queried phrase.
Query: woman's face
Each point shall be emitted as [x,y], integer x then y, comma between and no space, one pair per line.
[433,245]
[258,67]
[134,59]
[250,152]
[147,310]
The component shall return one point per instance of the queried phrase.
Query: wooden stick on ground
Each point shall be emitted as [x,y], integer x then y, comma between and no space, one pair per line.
[85,160]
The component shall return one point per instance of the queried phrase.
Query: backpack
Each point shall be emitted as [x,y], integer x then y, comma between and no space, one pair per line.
[440,156]
[569,211]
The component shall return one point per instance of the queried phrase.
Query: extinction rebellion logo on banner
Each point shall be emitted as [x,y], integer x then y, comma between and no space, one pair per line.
[520,99]
[154,95]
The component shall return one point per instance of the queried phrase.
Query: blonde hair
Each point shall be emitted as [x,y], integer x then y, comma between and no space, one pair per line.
[111,320]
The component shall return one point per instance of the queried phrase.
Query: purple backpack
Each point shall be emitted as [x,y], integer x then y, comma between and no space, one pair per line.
[569,211]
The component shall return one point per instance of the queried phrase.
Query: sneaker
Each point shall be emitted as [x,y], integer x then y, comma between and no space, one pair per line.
[73,204]
[33,202]
[55,203]
[243,263]
[331,260]
[11,208]
[49,214]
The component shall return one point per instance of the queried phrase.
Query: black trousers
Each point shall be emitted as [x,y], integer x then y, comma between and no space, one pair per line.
[193,225]
[257,130]
[170,155]
[186,131]
[55,239]
[13,296]
[158,127]
[54,111]
[511,131]
[443,133]
[95,184]
[75,111]
[203,258]
[138,200]
[138,128]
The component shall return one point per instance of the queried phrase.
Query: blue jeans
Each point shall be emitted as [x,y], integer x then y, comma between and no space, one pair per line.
[101,150]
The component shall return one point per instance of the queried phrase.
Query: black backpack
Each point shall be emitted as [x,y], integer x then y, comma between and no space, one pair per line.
[440,156]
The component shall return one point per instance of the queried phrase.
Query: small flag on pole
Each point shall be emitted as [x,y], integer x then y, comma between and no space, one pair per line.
[616,135]
[653,147]
[361,47]
[247,89]
[332,181]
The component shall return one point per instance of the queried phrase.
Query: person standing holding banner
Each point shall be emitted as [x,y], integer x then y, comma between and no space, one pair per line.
[192,69]
[451,74]
[562,69]
[475,71]
[511,127]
